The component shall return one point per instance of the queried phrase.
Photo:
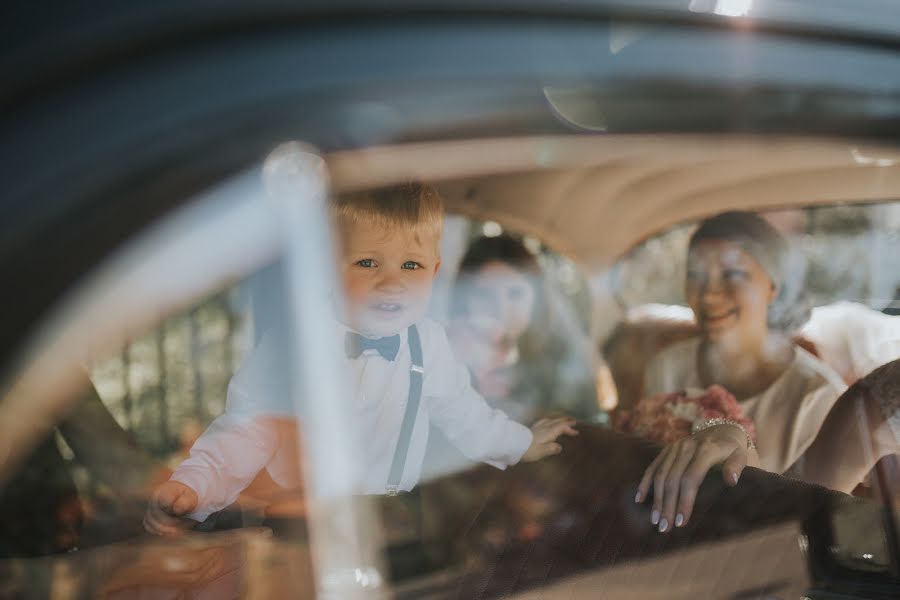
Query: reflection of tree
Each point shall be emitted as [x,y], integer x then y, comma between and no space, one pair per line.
[176,374]
[842,244]
[654,271]
[162,379]
[90,493]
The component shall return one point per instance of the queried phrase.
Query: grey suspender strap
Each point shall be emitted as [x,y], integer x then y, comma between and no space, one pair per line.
[416,372]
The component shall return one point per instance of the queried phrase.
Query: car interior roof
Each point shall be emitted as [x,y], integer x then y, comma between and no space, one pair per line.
[592,197]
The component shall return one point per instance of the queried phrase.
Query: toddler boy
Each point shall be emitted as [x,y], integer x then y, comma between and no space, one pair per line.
[400,368]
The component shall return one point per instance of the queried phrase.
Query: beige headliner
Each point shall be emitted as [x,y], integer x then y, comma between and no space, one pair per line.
[592,197]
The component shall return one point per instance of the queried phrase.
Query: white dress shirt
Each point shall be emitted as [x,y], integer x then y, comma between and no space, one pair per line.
[238,444]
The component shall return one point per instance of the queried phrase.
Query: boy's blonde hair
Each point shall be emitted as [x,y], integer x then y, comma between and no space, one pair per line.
[410,206]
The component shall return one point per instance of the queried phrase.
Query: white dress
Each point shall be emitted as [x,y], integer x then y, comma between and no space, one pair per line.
[853,338]
[787,415]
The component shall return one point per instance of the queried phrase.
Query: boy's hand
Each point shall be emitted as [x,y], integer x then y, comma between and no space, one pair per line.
[168,504]
[544,434]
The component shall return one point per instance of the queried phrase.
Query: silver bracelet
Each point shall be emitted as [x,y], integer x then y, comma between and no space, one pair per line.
[699,426]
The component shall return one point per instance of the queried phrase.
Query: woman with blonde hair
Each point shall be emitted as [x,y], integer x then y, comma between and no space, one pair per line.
[744,295]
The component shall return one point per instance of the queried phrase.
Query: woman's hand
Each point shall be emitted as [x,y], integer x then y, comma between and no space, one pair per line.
[678,471]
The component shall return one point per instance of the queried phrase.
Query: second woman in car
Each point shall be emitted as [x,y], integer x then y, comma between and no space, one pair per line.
[505,326]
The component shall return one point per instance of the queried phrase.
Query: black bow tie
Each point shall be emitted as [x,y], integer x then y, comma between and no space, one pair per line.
[387,347]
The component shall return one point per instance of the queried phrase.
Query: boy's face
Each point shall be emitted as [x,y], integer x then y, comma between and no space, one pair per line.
[387,276]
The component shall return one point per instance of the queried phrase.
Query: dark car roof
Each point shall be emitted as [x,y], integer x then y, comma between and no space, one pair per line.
[38,35]
[102,98]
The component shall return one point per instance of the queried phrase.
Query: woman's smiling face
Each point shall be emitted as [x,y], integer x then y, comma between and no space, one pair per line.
[728,290]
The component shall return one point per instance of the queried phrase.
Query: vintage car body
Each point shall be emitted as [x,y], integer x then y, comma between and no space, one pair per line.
[133,136]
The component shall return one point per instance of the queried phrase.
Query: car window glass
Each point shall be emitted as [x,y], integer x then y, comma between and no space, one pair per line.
[520,330]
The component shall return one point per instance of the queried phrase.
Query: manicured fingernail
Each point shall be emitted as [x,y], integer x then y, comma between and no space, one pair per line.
[734,478]
[679,520]
[654,517]
[663,525]
[637,497]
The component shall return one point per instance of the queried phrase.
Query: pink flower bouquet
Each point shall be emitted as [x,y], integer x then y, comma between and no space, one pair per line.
[666,418]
